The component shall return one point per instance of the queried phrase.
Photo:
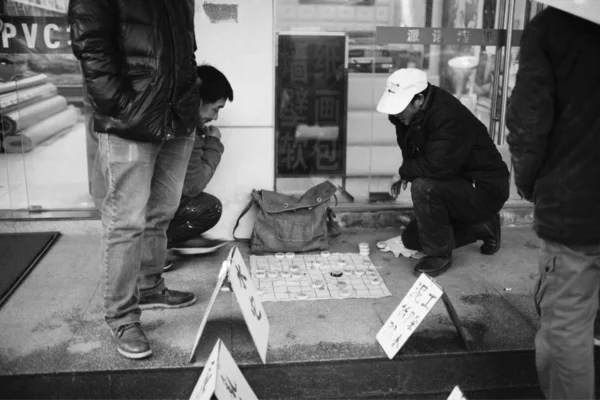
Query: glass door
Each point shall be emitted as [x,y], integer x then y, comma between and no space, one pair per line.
[45,136]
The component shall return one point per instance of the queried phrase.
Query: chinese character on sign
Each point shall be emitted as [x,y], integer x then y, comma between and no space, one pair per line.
[327,107]
[326,155]
[327,60]
[299,72]
[419,298]
[241,276]
[208,376]
[438,36]
[291,154]
[230,386]
[300,101]
[253,307]
[412,36]
[292,99]
[396,342]
[463,36]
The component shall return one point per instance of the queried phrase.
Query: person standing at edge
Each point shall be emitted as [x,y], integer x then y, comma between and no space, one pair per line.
[139,68]
[459,182]
[554,138]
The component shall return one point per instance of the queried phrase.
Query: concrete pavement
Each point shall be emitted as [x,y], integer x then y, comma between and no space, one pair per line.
[53,323]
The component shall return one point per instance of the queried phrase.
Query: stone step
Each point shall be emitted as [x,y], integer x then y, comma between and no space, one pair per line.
[396,216]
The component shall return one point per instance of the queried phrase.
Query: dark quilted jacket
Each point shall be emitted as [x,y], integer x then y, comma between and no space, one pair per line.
[554,123]
[138,62]
[445,140]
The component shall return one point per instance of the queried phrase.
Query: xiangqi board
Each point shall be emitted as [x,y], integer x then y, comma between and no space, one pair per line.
[320,276]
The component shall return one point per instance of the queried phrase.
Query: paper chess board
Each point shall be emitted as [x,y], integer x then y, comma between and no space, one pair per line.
[314,277]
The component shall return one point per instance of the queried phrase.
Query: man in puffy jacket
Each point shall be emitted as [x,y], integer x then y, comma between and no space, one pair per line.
[139,69]
[458,179]
[554,123]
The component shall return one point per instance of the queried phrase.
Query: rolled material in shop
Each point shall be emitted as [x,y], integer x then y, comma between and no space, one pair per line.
[31,137]
[24,83]
[16,121]
[15,100]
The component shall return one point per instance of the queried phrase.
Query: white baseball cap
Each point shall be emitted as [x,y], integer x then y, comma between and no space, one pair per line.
[401,88]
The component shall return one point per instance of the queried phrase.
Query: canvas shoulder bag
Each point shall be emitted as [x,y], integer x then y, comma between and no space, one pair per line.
[289,223]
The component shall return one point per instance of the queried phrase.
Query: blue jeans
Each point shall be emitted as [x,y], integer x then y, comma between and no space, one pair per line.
[143,183]
[566,297]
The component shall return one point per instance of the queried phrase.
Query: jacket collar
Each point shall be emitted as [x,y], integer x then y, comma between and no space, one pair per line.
[418,118]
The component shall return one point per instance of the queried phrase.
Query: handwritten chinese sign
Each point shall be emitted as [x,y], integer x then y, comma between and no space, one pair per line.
[405,319]
[220,281]
[311,97]
[222,378]
[444,36]
[249,302]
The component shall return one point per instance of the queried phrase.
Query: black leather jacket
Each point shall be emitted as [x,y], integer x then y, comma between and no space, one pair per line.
[445,140]
[554,123]
[139,67]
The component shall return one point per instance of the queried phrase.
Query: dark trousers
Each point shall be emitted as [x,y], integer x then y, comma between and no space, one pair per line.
[449,213]
[194,216]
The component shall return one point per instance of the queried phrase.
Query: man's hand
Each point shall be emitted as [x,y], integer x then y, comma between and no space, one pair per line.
[211,130]
[397,184]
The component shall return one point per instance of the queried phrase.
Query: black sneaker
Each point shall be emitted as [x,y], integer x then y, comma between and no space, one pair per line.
[433,266]
[131,341]
[198,245]
[167,299]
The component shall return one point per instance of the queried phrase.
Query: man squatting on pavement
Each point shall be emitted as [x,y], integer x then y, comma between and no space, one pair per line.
[459,181]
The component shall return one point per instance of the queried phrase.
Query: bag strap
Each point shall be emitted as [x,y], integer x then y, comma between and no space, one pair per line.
[244,212]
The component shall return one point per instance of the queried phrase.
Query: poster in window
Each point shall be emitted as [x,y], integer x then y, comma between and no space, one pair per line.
[311,99]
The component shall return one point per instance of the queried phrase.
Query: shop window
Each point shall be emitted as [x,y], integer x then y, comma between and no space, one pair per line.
[457,42]
[43,164]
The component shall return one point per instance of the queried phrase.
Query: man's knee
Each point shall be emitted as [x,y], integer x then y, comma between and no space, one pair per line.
[422,188]
[214,205]
[205,207]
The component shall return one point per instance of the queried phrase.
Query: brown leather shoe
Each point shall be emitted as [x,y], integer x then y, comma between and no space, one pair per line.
[167,299]
[131,341]
[433,266]
[492,236]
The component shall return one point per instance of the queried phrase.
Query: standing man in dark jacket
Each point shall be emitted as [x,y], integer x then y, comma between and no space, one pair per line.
[139,68]
[554,139]
[458,179]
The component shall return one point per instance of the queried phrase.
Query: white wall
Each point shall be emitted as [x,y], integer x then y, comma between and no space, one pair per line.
[243,51]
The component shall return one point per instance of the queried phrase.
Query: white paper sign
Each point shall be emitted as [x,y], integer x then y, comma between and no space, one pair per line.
[405,319]
[252,309]
[222,377]
[457,394]
[220,281]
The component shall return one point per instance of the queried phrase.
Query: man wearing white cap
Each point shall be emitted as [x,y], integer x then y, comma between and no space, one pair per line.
[458,179]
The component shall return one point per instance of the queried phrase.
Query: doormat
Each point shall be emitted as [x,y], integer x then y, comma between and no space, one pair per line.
[19,253]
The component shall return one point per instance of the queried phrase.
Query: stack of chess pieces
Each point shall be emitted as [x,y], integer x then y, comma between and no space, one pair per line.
[363,249]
